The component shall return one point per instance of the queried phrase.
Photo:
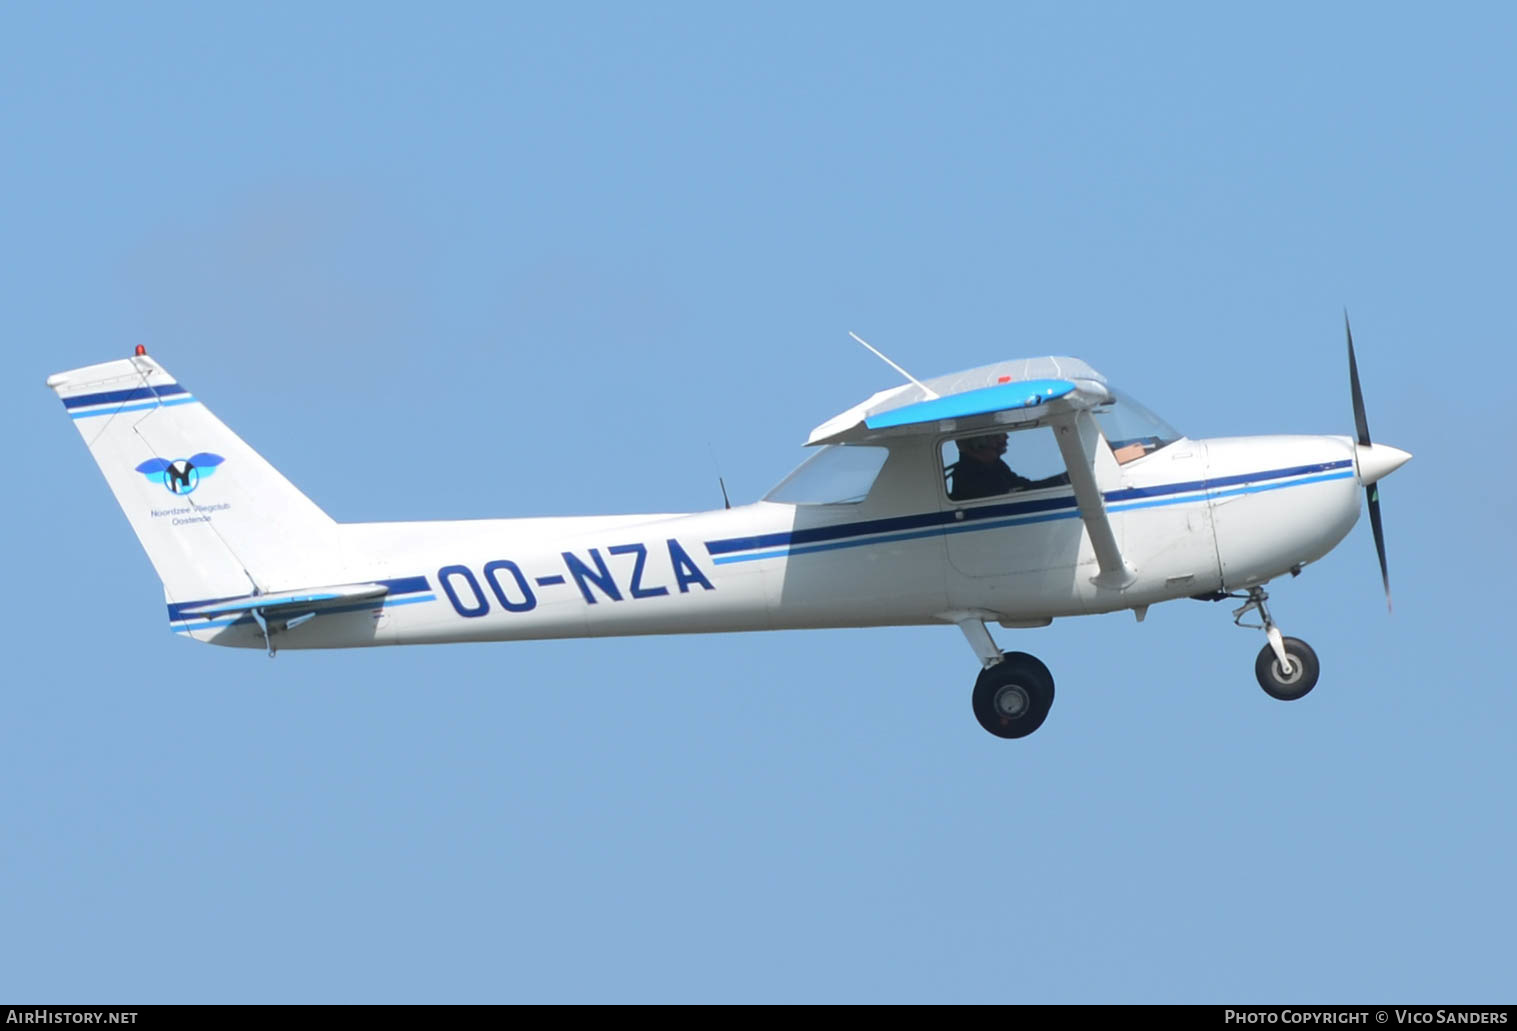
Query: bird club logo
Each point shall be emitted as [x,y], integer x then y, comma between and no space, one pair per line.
[182,475]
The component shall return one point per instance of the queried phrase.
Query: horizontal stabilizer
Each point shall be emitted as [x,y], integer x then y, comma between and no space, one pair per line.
[306,600]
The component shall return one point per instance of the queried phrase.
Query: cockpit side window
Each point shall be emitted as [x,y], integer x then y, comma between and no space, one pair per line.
[989,465]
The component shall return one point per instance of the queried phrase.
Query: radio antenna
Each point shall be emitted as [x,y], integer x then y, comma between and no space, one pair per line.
[931,394]
[726,503]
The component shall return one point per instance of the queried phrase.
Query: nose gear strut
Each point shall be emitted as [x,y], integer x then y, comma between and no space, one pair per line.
[1256,600]
[1287,667]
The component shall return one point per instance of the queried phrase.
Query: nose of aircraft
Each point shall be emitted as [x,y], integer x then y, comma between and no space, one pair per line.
[1376,461]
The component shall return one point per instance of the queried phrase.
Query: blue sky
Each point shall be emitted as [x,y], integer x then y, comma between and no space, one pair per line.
[585,256]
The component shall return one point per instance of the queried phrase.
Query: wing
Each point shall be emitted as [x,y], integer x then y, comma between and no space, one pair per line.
[1003,396]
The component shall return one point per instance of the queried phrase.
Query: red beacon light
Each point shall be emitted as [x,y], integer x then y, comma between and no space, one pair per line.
[141,351]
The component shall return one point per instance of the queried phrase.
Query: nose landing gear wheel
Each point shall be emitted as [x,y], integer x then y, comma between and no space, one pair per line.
[1012,698]
[1302,677]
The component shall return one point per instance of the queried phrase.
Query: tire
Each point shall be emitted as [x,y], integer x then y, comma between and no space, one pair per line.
[1012,698]
[1300,682]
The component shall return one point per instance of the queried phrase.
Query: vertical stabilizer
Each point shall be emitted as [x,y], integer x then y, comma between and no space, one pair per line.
[215,518]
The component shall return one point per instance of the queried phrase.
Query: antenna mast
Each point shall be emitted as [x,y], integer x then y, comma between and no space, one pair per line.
[931,394]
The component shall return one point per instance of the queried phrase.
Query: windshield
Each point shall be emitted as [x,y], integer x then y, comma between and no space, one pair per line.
[838,474]
[1132,430]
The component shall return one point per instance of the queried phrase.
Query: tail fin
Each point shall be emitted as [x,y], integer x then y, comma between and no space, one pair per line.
[215,519]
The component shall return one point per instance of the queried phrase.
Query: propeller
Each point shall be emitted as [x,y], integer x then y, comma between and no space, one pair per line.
[1373,461]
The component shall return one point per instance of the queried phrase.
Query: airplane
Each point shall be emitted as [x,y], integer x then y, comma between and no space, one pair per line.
[1015,493]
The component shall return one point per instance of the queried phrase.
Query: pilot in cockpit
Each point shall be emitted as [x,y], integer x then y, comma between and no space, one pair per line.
[980,472]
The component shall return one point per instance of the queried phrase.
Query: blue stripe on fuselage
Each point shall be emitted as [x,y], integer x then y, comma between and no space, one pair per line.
[993,517]
[871,526]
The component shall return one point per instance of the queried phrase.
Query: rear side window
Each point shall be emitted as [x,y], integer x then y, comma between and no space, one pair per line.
[838,474]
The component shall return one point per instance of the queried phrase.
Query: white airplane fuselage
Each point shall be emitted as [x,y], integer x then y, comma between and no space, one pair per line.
[1192,518]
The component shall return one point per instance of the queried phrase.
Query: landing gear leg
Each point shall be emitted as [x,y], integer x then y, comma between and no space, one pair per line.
[980,640]
[1014,691]
[1287,667]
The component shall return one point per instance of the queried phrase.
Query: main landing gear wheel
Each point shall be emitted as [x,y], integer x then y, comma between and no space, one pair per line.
[1012,698]
[1302,677]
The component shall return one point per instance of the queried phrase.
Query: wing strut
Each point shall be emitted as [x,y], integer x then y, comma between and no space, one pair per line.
[1079,438]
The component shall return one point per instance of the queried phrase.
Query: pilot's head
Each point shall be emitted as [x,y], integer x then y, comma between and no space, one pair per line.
[986,448]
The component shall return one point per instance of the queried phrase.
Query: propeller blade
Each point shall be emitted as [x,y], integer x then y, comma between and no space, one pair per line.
[1360,423]
[1373,493]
